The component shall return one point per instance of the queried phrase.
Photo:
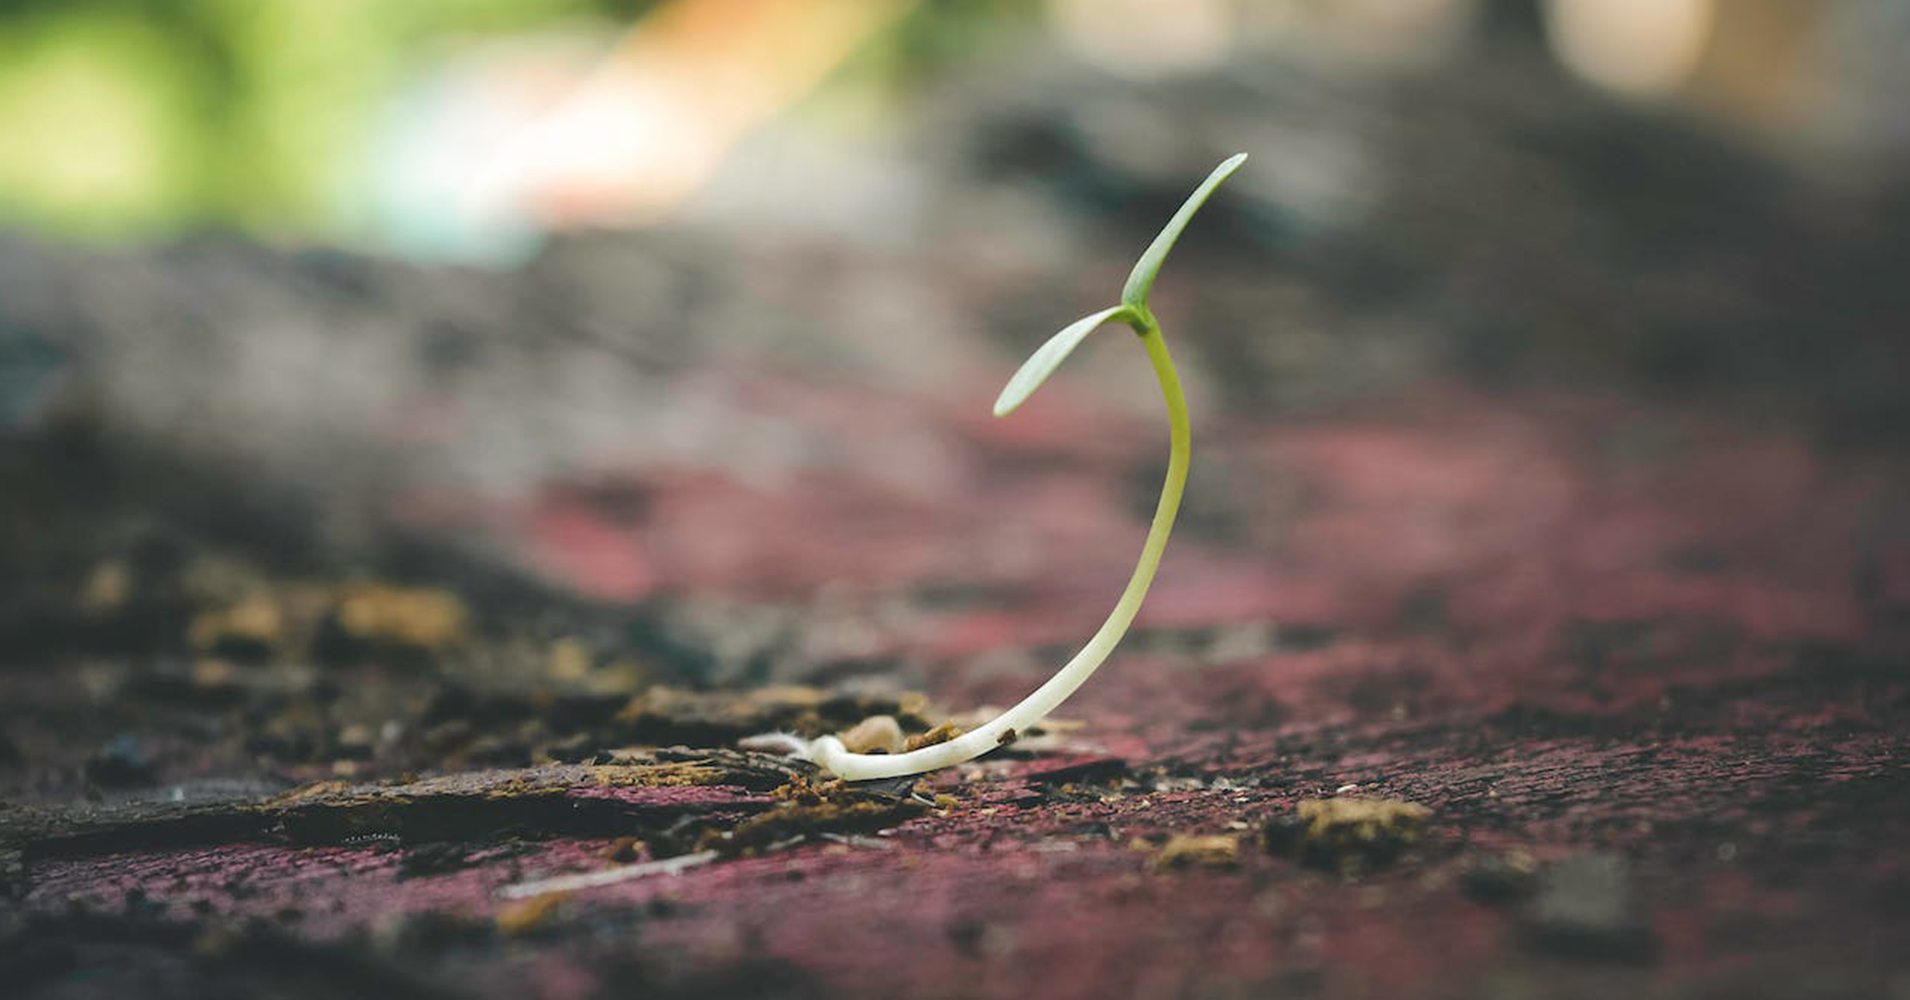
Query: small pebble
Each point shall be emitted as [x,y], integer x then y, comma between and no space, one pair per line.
[875,734]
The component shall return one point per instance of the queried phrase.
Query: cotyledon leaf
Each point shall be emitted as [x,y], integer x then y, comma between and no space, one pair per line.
[1141,280]
[1049,356]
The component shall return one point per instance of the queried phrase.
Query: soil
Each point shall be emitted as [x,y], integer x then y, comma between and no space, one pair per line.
[1521,707]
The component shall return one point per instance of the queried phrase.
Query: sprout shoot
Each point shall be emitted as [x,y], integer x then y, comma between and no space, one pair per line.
[829,753]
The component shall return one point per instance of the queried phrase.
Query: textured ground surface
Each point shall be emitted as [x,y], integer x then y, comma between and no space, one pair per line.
[1645,675]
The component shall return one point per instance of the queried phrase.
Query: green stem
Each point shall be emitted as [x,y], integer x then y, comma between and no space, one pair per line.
[831,754]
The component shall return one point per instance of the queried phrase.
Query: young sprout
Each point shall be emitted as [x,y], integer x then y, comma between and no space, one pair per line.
[829,752]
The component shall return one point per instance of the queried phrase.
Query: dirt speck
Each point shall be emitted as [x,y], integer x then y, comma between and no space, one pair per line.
[1196,851]
[624,850]
[1346,834]
[250,629]
[940,734]
[660,775]
[416,618]
[808,808]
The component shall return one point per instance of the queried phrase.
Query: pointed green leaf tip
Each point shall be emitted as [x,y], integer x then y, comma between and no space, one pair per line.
[1048,357]
[1133,307]
[1141,280]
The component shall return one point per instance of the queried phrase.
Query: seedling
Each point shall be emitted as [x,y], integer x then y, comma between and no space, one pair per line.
[829,752]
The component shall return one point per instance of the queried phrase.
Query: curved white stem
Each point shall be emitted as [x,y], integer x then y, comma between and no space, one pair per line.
[828,751]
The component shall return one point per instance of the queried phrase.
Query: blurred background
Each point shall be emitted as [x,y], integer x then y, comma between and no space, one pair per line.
[461,128]
[598,342]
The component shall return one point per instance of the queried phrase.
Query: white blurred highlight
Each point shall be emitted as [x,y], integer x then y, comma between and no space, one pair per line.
[1640,48]
[1142,38]
[495,148]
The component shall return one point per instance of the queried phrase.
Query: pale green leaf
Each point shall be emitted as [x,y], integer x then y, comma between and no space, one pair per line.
[1048,357]
[1141,280]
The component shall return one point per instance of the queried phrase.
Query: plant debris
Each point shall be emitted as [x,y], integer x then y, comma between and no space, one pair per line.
[807,808]
[1346,834]
[404,617]
[1197,851]
[940,734]
[665,715]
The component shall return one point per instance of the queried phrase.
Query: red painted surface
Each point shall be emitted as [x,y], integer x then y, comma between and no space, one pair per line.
[1565,632]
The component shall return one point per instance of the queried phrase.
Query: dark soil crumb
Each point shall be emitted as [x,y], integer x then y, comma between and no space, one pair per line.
[1347,835]
[1069,773]
[809,791]
[1008,736]
[807,808]
[664,715]
[121,763]
[1500,879]
[433,859]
